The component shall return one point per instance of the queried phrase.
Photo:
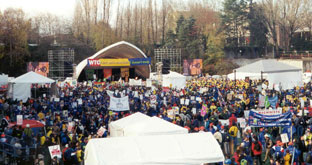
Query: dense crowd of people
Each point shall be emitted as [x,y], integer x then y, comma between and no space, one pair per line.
[74,116]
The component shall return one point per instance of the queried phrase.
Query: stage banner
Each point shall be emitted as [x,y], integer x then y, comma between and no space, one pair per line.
[258,120]
[119,104]
[108,62]
[107,73]
[140,61]
[39,67]
[192,67]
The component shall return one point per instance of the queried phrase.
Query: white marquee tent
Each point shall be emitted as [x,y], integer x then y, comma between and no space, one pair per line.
[139,124]
[177,80]
[194,148]
[21,86]
[116,128]
[153,126]
[277,73]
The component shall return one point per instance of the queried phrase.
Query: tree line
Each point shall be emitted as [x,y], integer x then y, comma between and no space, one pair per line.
[201,28]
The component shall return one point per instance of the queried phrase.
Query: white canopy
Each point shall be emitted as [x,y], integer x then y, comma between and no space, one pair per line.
[267,66]
[177,80]
[153,126]
[278,74]
[195,148]
[32,78]
[21,86]
[116,128]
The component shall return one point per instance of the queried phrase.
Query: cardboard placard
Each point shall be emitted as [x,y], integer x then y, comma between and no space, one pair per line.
[187,101]
[19,119]
[55,151]
[284,138]
[79,101]
[182,101]
[101,131]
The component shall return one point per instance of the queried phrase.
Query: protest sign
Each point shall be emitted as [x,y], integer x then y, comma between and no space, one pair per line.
[133,82]
[192,97]
[79,101]
[119,104]
[284,138]
[175,110]
[187,101]
[70,126]
[101,131]
[261,100]
[170,113]
[224,122]
[194,111]
[19,119]
[55,151]
[153,99]
[65,113]
[44,95]
[57,99]
[182,101]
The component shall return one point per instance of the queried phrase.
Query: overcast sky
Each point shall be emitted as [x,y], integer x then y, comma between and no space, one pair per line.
[64,8]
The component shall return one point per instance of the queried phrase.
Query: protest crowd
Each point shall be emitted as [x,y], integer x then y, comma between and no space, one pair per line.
[219,106]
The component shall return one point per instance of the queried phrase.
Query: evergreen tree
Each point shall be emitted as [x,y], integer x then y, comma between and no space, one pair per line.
[234,21]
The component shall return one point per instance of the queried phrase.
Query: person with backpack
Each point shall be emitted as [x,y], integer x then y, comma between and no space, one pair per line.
[233,133]
[256,149]
[278,152]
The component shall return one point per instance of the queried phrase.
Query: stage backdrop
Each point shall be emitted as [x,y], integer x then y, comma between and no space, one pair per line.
[192,67]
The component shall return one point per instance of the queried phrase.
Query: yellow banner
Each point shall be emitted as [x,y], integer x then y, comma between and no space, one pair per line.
[114,62]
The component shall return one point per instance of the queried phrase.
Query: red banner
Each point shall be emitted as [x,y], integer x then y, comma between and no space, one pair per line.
[107,73]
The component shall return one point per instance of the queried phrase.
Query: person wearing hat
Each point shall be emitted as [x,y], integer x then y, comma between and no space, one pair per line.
[268,146]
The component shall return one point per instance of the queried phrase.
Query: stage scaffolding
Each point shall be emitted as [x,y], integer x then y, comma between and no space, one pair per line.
[61,63]
[173,55]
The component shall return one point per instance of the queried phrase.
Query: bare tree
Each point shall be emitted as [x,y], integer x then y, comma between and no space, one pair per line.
[117,19]
[164,12]
[128,19]
[271,10]
[87,9]
[94,10]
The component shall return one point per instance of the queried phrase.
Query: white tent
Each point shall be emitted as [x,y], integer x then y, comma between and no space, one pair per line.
[153,126]
[116,128]
[21,86]
[4,79]
[277,73]
[175,79]
[194,148]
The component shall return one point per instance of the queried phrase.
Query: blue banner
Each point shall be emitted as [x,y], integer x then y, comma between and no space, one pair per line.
[140,61]
[273,101]
[258,120]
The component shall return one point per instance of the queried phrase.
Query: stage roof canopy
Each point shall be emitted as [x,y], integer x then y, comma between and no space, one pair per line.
[118,50]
